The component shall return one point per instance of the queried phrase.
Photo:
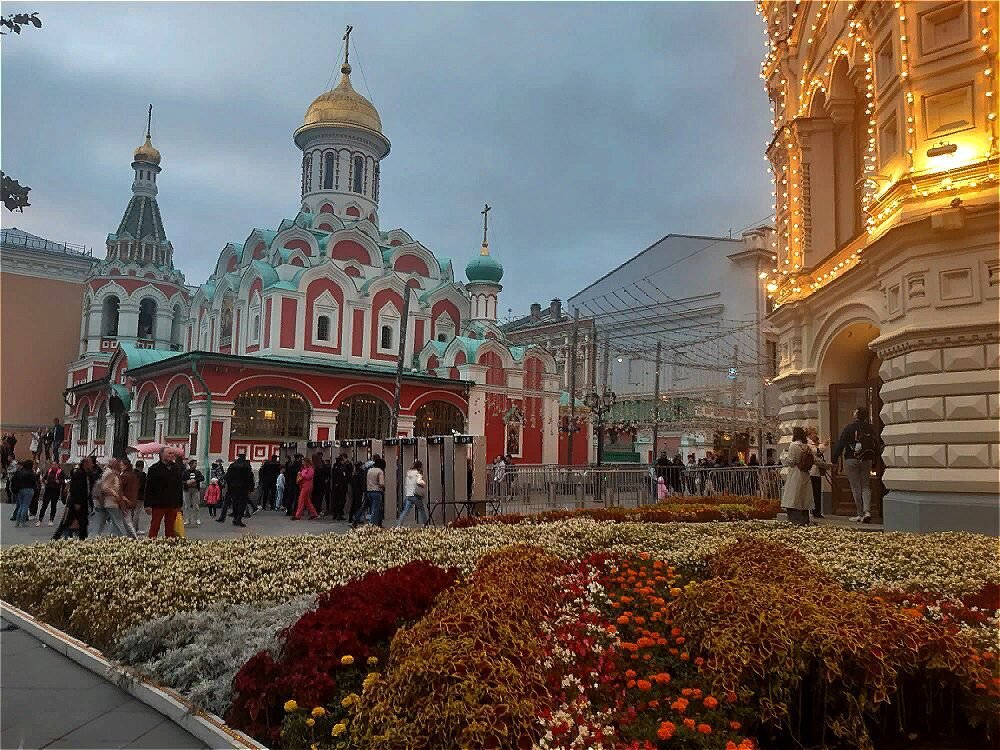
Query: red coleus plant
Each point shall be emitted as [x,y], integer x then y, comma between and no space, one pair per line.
[356,619]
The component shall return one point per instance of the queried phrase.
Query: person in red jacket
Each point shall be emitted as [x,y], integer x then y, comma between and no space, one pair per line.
[213,496]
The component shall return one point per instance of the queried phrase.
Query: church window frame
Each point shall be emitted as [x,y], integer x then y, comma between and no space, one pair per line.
[147,417]
[145,327]
[375,179]
[84,423]
[326,306]
[253,331]
[363,416]
[110,312]
[101,428]
[389,319]
[271,413]
[179,412]
[357,174]
[444,326]
[329,170]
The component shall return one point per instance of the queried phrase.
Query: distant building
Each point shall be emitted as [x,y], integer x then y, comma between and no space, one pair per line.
[886,282]
[41,288]
[701,300]
[552,329]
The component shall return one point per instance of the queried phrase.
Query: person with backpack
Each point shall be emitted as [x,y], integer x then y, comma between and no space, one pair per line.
[414,489]
[53,485]
[796,497]
[858,445]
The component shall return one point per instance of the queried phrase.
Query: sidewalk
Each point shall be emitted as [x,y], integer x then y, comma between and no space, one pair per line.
[49,701]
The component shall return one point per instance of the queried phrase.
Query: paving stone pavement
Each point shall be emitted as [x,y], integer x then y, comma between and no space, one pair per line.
[49,701]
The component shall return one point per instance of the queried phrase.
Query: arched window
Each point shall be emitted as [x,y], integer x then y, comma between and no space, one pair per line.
[307,169]
[385,337]
[494,368]
[271,414]
[109,316]
[147,417]
[253,336]
[438,418]
[176,328]
[226,322]
[147,319]
[84,422]
[328,171]
[375,183]
[179,412]
[323,328]
[443,338]
[359,168]
[101,430]
[363,416]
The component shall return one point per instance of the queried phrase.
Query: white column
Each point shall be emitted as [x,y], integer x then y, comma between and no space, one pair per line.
[405,425]
[128,321]
[162,328]
[323,418]
[94,328]
[550,429]
[160,432]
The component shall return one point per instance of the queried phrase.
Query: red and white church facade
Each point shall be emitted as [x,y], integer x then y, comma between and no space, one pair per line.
[295,336]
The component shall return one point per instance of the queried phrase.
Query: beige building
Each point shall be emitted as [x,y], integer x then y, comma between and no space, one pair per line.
[886,274]
[41,296]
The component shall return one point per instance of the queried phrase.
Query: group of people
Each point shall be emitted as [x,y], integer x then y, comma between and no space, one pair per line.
[858,446]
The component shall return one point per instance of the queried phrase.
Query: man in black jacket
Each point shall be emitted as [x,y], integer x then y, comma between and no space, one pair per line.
[340,478]
[239,480]
[321,484]
[268,475]
[164,492]
[292,484]
[79,502]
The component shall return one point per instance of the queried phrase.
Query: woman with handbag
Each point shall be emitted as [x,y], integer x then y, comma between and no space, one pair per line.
[796,497]
[414,489]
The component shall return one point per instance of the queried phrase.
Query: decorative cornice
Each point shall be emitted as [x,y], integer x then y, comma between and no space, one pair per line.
[911,339]
[62,267]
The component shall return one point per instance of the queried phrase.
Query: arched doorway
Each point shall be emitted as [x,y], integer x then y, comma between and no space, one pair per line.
[270,414]
[363,416]
[438,418]
[849,375]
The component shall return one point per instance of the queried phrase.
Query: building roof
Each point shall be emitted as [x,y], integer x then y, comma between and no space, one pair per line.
[14,237]
[141,357]
[141,221]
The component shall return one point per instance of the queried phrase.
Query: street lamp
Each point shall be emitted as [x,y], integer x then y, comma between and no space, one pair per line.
[600,404]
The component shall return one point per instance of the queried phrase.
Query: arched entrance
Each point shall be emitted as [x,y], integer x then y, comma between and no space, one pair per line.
[849,375]
[438,418]
[363,416]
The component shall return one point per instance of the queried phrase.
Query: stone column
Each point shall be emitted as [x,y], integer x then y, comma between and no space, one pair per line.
[160,430]
[95,326]
[323,418]
[406,424]
[128,321]
[162,327]
[200,421]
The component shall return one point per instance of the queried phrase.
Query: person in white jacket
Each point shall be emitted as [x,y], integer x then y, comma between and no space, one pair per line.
[414,489]
[796,496]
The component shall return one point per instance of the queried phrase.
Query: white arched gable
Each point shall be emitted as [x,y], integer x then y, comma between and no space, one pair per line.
[295,232]
[148,291]
[277,260]
[348,284]
[452,293]
[386,281]
[540,353]
[227,285]
[327,218]
[111,288]
[222,262]
[399,234]
[419,251]
[246,253]
[365,225]
[353,234]
[491,345]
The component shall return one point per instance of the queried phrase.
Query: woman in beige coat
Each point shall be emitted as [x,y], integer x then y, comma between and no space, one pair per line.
[796,497]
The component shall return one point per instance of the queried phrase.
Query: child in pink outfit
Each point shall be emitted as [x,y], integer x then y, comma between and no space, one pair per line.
[305,482]
[213,495]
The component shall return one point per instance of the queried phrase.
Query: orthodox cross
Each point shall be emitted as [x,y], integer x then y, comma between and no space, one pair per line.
[485,212]
[149,120]
[347,45]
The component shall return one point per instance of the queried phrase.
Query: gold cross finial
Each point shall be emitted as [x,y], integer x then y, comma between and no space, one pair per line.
[485,212]
[149,121]
[347,45]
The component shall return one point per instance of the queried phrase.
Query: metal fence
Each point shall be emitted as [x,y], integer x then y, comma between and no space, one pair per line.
[536,489]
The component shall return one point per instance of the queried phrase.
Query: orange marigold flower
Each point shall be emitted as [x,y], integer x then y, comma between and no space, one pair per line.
[645,642]
[622,619]
[689,723]
[666,730]
[679,640]
[675,632]
[643,555]
[732,697]
[710,702]
[686,692]
[699,661]
[643,684]
[630,674]
[654,703]
[704,729]
[639,620]
[675,592]
[988,655]
[735,726]
[696,693]
[685,656]
[680,705]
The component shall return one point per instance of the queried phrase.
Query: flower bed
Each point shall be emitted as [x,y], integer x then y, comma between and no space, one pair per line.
[577,633]
[679,509]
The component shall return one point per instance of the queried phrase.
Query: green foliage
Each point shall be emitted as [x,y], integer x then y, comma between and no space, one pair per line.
[15,21]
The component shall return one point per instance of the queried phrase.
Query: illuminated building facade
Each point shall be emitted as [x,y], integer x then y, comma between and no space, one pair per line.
[886,274]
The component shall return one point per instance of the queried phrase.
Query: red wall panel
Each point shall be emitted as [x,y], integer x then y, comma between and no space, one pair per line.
[289,310]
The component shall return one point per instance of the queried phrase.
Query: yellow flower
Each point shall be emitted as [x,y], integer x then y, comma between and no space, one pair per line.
[291,706]
[346,659]
[370,680]
[314,746]
[372,661]
[318,712]
[310,722]
[338,729]
[350,700]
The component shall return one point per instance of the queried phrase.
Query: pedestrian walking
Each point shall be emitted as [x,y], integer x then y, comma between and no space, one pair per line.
[53,490]
[340,479]
[110,502]
[414,491]
[23,485]
[279,491]
[375,491]
[76,517]
[239,484]
[859,447]
[58,436]
[164,493]
[36,446]
[362,502]
[321,484]
[140,474]
[818,471]
[193,480]
[268,479]
[131,487]
[291,484]
[796,497]
[213,496]
[305,481]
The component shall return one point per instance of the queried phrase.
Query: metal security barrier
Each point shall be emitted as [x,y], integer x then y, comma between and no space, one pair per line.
[536,489]
[753,481]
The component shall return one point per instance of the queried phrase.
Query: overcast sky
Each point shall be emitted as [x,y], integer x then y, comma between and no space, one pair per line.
[591,129]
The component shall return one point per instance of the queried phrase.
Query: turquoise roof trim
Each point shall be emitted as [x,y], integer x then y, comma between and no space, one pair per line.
[137,357]
[469,346]
[517,352]
[268,276]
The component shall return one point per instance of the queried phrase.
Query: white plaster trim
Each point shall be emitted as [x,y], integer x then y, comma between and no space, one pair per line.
[207,727]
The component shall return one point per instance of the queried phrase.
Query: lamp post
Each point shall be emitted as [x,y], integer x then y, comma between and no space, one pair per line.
[600,404]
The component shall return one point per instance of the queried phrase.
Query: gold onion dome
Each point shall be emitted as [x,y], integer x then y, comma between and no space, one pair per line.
[147,152]
[343,106]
